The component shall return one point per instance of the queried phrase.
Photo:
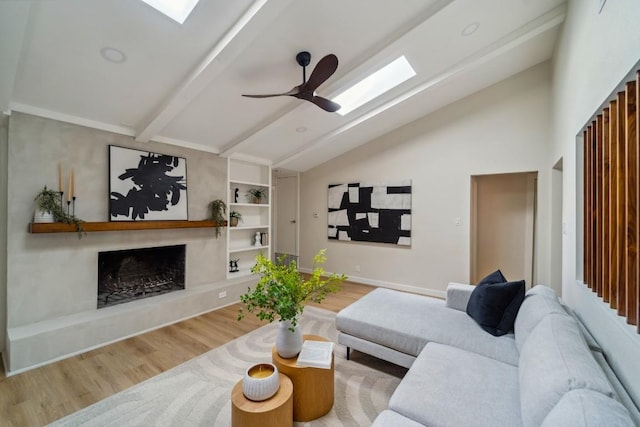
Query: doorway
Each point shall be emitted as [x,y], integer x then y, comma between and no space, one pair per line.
[286,215]
[503,212]
[557,227]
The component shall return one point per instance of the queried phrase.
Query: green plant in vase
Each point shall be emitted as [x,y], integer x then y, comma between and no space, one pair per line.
[218,211]
[281,293]
[234,218]
[48,202]
[256,195]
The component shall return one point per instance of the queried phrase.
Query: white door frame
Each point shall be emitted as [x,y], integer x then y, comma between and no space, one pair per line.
[295,175]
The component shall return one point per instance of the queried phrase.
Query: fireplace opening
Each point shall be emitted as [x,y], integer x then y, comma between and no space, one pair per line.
[133,274]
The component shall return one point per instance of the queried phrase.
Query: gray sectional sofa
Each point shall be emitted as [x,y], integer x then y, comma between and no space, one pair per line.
[549,372]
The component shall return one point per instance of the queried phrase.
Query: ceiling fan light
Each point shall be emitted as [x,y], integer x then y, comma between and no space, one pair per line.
[374,85]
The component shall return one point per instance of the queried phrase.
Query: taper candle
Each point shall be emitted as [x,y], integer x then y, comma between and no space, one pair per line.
[69,192]
[73,183]
[60,178]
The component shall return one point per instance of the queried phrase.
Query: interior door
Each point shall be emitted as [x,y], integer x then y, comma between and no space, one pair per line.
[503,226]
[287,216]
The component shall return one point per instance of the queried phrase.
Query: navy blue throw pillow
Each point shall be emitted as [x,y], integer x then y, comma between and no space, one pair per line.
[494,306]
[495,277]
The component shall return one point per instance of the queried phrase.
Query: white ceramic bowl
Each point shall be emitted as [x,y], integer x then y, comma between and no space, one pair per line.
[260,382]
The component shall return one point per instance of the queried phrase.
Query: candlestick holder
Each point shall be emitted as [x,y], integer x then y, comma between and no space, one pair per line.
[61,193]
[68,206]
[73,206]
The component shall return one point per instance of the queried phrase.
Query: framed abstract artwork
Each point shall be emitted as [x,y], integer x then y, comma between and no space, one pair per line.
[363,212]
[146,186]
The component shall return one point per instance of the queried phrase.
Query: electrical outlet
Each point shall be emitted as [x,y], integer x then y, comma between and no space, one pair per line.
[357,268]
[222,294]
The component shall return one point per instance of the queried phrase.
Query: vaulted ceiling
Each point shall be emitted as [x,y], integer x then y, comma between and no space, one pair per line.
[182,84]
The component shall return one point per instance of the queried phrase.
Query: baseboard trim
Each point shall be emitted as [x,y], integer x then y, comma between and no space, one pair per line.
[390,285]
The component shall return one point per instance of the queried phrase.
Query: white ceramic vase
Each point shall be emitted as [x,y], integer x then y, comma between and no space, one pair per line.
[260,382]
[288,344]
[42,216]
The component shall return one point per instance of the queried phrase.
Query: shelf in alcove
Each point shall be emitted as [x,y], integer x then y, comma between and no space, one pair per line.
[59,227]
[251,205]
[248,248]
[248,227]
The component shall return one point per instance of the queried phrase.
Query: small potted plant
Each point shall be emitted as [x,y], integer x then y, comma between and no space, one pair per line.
[234,217]
[257,194]
[47,202]
[282,292]
[218,210]
[49,209]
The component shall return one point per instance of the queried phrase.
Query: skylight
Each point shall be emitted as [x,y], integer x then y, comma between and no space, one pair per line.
[178,10]
[374,85]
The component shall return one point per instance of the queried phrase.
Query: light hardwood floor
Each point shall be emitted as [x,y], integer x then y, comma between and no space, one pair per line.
[43,395]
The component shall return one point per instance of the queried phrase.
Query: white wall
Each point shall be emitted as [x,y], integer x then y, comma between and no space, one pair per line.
[501,129]
[52,278]
[593,55]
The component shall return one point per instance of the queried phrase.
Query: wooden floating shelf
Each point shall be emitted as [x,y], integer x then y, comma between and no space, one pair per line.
[59,227]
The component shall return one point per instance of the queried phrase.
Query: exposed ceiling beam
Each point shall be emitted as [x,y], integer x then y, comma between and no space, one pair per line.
[245,30]
[511,41]
[275,121]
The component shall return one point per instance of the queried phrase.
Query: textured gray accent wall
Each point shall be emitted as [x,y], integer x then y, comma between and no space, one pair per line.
[54,276]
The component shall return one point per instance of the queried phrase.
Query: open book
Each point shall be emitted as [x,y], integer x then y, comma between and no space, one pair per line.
[316,354]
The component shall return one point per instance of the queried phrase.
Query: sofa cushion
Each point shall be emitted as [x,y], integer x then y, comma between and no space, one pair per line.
[554,360]
[447,386]
[544,291]
[495,306]
[495,277]
[458,295]
[534,308]
[389,418]
[586,408]
[407,322]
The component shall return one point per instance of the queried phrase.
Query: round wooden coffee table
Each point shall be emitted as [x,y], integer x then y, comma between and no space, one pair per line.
[275,411]
[313,388]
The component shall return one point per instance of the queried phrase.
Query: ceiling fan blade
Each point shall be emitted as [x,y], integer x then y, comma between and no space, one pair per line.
[324,69]
[292,92]
[325,104]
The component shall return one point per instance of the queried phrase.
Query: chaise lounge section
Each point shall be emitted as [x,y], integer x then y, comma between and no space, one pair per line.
[544,373]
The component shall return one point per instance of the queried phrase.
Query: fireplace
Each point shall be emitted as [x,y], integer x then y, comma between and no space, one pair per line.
[133,274]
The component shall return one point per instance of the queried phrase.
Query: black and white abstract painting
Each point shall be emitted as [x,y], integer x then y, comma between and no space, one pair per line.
[364,212]
[146,186]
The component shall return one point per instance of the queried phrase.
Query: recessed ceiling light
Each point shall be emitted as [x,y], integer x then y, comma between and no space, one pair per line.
[374,85]
[178,10]
[112,54]
[470,29]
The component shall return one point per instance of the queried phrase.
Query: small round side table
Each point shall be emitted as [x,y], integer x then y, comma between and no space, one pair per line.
[275,411]
[313,388]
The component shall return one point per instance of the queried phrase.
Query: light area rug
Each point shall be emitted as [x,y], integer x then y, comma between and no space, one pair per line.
[198,392]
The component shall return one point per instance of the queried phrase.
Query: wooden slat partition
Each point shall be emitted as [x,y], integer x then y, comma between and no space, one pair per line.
[632,205]
[614,199]
[598,208]
[592,203]
[622,205]
[586,135]
[605,203]
[611,202]
[636,286]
